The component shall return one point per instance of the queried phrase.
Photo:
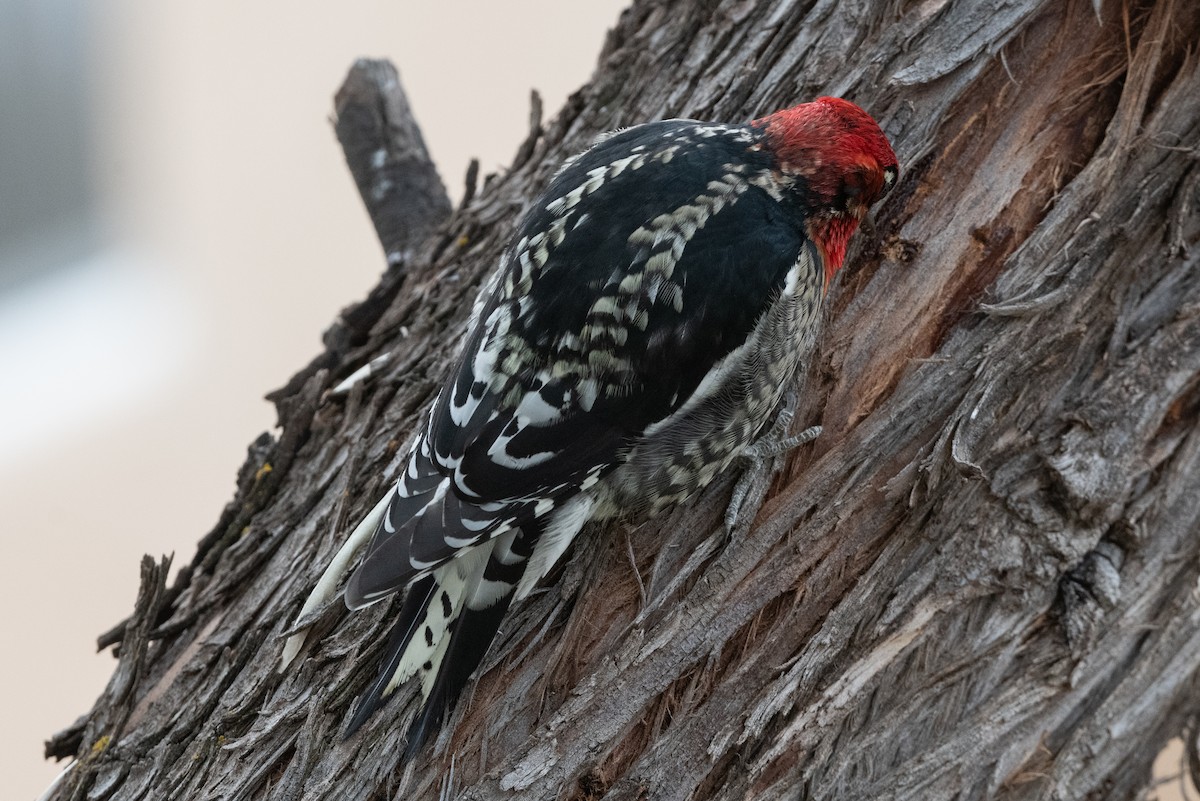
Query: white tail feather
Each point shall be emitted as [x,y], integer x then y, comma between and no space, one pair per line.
[461,582]
[564,523]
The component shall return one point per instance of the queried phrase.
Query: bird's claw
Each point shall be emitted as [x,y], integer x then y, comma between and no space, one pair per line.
[754,479]
[768,448]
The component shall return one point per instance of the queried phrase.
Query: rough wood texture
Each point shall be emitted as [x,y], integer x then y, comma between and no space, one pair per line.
[981,581]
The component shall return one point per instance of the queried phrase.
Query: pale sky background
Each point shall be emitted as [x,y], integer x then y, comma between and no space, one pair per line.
[212,234]
[221,236]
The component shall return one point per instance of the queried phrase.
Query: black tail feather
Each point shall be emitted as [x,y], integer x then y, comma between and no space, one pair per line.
[470,637]
[411,613]
[471,634]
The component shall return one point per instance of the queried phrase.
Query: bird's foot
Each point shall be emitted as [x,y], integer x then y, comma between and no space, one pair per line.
[756,476]
[767,448]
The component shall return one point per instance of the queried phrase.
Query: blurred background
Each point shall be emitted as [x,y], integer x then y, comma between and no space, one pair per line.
[177,228]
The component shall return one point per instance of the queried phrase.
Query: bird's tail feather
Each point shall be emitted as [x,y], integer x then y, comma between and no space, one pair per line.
[412,613]
[446,626]
[468,641]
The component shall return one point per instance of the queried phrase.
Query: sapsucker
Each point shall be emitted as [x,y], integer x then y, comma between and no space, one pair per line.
[639,331]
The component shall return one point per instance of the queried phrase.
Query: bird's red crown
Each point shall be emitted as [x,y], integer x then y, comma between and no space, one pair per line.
[844,161]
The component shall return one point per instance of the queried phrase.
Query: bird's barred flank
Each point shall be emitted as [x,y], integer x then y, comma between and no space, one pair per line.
[639,332]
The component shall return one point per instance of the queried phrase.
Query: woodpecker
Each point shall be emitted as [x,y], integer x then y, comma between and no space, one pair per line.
[642,325]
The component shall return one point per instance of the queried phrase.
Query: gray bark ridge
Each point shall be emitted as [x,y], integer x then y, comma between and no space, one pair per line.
[979,582]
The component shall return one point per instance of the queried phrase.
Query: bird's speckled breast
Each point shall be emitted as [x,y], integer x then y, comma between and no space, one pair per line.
[687,450]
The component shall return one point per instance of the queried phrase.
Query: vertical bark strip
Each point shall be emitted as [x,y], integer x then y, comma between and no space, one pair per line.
[980,582]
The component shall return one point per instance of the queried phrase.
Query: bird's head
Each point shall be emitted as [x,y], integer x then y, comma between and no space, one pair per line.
[834,154]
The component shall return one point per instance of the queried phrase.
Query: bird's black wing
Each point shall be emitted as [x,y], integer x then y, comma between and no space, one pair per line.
[606,315]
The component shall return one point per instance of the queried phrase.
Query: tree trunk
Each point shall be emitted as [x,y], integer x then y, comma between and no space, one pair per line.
[980,581]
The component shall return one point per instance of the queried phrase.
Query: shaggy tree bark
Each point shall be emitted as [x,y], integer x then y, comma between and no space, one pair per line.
[981,581]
